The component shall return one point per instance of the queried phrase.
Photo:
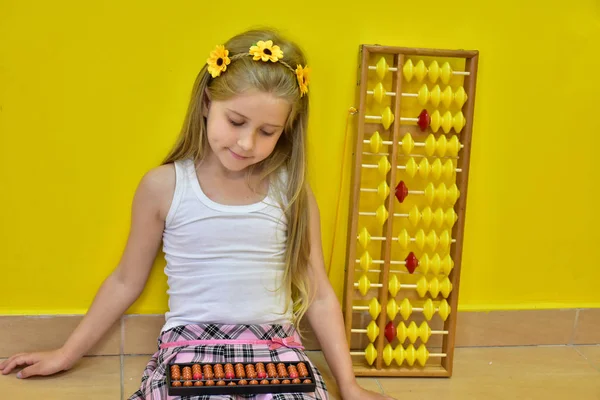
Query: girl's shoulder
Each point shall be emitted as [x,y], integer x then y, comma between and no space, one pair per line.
[158,186]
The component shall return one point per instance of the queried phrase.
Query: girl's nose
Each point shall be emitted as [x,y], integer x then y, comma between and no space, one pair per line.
[246,141]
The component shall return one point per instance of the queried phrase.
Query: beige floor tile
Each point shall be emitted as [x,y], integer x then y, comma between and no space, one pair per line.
[587,330]
[133,367]
[92,378]
[514,328]
[591,353]
[25,334]
[506,373]
[141,333]
[321,364]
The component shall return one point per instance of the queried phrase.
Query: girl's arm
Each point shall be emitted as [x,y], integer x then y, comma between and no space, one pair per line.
[121,288]
[325,318]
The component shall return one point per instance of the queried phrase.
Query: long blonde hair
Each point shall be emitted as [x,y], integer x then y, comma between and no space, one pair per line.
[242,75]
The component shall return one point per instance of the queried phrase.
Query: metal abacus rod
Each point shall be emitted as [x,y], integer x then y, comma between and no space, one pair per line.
[424,95]
[431,145]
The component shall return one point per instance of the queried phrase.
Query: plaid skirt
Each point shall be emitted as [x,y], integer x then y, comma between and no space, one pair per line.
[172,348]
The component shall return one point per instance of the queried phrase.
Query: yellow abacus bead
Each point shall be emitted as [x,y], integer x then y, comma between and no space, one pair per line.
[405,308]
[383,190]
[372,331]
[390,354]
[453,194]
[414,216]
[430,193]
[435,95]
[364,285]
[434,287]
[423,95]
[434,72]
[411,167]
[447,97]
[384,166]
[426,216]
[424,332]
[403,238]
[392,309]
[438,217]
[410,355]
[435,264]
[459,122]
[370,353]
[446,287]
[453,146]
[381,68]
[408,144]
[401,332]
[375,142]
[424,263]
[387,117]
[432,240]
[441,146]
[447,121]
[444,310]
[424,168]
[447,264]
[430,144]
[408,70]
[436,169]
[428,309]
[364,238]
[366,260]
[394,285]
[435,121]
[420,238]
[446,73]
[448,169]
[422,355]
[460,97]
[378,92]
[444,239]
[381,214]
[412,332]
[440,193]
[422,286]
[420,70]
[374,308]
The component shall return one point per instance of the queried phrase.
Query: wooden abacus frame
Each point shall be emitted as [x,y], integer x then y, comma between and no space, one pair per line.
[400,54]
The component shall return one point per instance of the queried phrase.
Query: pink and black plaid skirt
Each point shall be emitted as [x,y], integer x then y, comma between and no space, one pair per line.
[226,344]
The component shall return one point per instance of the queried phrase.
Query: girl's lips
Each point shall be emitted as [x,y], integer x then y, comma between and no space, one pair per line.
[235,155]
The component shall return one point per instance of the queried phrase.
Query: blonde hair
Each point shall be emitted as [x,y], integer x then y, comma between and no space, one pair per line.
[244,74]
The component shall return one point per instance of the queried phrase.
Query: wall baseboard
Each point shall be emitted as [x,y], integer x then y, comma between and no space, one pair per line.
[137,334]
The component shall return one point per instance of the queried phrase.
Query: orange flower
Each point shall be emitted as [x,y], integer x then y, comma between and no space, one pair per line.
[302,74]
[218,60]
[266,51]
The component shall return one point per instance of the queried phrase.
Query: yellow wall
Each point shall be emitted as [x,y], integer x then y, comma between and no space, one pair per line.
[92,95]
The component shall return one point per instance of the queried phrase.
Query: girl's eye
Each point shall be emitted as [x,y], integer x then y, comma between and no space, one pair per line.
[267,133]
[234,123]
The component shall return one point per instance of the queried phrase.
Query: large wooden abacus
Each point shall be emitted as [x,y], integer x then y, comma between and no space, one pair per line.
[407,209]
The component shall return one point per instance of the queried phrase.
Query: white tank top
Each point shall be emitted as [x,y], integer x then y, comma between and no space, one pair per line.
[224,263]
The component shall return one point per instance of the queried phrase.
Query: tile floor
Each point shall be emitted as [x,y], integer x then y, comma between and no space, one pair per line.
[533,372]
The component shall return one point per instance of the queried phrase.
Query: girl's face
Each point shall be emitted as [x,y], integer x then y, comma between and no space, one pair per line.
[245,129]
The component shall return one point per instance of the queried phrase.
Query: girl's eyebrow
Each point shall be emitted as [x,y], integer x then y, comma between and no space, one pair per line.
[243,116]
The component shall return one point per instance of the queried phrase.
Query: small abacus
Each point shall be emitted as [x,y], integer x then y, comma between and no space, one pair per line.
[194,379]
[407,209]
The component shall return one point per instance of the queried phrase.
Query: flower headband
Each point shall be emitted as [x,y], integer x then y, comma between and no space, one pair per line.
[264,51]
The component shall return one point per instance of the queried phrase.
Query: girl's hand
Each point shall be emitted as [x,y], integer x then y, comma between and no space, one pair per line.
[41,363]
[355,392]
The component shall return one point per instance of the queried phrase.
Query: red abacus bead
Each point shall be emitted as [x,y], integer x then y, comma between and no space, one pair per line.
[261,374]
[197,376]
[411,262]
[390,331]
[424,120]
[401,191]
[229,375]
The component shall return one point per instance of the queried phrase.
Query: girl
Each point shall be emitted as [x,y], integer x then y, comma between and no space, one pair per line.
[240,231]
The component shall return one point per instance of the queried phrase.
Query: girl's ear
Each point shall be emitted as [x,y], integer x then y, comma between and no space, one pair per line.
[205,103]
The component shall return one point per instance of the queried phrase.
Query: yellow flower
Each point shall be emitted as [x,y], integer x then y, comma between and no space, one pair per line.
[302,74]
[266,51]
[218,61]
